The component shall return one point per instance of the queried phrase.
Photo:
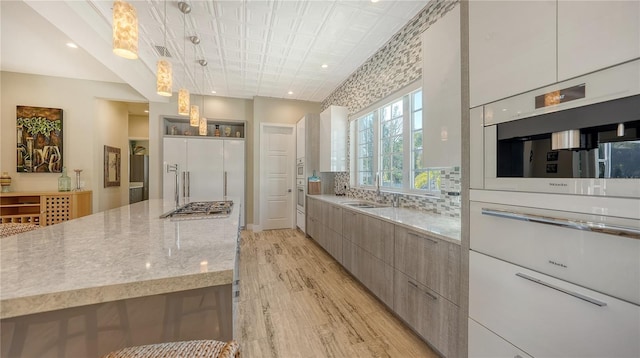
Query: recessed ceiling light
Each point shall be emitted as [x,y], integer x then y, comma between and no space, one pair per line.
[290,92]
[72,45]
[374,1]
[214,92]
[325,65]
[146,111]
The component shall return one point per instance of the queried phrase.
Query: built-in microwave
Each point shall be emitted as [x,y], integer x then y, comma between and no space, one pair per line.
[580,136]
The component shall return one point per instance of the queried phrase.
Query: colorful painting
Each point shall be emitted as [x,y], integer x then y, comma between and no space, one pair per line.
[39,141]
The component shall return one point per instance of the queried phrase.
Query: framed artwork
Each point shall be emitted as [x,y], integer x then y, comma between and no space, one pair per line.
[552,156]
[552,168]
[39,140]
[111,166]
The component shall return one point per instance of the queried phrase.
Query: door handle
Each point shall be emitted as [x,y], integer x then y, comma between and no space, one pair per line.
[188,184]
[597,227]
[184,184]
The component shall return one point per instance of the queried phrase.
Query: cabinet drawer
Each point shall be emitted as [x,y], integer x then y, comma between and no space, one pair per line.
[430,315]
[548,317]
[374,273]
[485,344]
[332,217]
[373,235]
[563,252]
[314,228]
[332,243]
[431,261]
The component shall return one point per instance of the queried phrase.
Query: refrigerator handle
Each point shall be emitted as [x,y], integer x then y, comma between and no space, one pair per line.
[225,184]
[184,184]
[188,184]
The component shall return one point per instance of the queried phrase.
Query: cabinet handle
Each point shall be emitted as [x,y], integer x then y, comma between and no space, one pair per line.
[423,237]
[225,183]
[423,291]
[566,223]
[558,288]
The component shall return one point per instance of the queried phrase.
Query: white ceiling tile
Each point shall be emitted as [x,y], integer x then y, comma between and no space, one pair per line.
[285,39]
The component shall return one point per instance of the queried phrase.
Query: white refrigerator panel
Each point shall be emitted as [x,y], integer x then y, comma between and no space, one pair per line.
[205,169]
[174,152]
[234,173]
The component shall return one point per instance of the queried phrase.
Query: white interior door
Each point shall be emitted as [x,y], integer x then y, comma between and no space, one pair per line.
[276,163]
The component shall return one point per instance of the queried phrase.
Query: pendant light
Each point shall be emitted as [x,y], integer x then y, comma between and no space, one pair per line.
[194,113]
[125,30]
[163,79]
[183,93]
[203,121]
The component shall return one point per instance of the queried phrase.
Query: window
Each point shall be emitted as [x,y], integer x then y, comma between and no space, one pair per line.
[391,142]
[364,153]
[388,142]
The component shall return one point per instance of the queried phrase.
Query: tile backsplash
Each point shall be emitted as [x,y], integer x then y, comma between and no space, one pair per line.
[397,64]
[446,203]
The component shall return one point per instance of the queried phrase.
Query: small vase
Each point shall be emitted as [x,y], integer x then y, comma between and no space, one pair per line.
[78,187]
[64,182]
[5,181]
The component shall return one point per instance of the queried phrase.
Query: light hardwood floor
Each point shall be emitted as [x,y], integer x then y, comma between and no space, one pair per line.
[296,301]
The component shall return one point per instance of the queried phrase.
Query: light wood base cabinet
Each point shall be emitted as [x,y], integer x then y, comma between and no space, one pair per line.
[431,316]
[373,235]
[374,273]
[44,208]
[430,261]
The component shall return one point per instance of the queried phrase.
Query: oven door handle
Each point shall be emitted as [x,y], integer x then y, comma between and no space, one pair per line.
[597,227]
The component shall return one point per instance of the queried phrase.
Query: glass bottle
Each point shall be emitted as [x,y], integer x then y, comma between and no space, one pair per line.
[64,182]
[216,133]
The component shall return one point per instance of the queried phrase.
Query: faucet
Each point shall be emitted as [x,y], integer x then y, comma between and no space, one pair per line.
[174,168]
[395,200]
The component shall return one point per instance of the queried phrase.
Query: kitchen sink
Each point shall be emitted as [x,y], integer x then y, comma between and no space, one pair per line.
[363,204]
[201,210]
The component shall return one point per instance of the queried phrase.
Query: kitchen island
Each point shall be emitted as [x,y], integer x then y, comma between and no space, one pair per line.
[125,266]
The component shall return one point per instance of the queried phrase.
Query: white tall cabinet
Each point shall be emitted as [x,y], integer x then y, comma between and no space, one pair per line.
[441,91]
[333,139]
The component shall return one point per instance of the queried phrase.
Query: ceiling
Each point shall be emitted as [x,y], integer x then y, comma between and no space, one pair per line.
[253,48]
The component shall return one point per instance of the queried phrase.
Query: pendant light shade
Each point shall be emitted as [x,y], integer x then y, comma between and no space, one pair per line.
[194,116]
[125,30]
[164,81]
[203,126]
[183,102]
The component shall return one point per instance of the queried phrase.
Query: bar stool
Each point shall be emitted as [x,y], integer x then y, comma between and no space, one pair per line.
[191,349]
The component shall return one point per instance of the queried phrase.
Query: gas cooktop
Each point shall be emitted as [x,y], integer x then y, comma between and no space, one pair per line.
[202,209]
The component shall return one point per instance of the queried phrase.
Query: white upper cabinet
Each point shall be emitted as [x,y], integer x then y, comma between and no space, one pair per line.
[333,139]
[518,46]
[512,48]
[300,138]
[596,34]
[441,91]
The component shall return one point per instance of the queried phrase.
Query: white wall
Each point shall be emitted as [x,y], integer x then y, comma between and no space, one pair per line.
[82,146]
[111,129]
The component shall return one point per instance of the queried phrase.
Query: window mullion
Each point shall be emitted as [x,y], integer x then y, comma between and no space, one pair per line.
[407,142]
[376,144]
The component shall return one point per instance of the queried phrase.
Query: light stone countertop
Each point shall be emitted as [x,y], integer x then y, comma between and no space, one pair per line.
[117,254]
[442,227]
